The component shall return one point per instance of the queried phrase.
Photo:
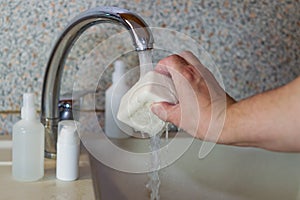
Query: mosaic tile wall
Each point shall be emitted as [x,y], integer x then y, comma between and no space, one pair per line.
[255,44]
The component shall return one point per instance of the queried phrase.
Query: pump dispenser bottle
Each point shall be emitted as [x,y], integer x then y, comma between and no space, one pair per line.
[68,150]
[113,127]
[28,144]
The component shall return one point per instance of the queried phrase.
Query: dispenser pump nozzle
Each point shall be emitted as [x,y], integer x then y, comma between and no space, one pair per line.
[28,110]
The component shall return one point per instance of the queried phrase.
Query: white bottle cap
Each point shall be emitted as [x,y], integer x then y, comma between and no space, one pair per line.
[119,70]
[67,132]
[28,110]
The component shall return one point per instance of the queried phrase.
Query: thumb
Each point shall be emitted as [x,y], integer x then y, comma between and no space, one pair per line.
[167,112]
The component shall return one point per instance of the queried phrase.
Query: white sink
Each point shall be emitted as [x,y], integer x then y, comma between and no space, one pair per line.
[227,173]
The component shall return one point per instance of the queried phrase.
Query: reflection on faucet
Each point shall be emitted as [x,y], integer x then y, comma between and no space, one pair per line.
[142,40]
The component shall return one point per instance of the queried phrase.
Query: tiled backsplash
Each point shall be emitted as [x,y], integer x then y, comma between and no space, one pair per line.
[255,44]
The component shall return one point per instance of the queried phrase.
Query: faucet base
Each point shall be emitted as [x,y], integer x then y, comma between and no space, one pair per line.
[51,126]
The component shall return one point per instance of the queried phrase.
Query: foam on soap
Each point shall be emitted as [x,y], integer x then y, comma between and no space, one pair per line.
[135,106]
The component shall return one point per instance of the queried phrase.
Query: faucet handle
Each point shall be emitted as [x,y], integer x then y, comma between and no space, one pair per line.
[69,103]
[65,109]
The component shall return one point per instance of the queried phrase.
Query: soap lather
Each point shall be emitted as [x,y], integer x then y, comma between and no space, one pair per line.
[135,106]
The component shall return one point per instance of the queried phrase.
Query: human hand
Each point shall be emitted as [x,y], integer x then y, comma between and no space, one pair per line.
[202,102]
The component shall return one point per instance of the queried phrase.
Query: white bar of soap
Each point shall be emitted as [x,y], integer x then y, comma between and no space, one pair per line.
[135,106]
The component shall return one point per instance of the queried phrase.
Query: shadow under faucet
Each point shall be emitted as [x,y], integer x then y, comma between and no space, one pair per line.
[142,40]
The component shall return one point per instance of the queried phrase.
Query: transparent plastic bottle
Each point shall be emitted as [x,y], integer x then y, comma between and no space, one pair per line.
[113,127]
[28,144]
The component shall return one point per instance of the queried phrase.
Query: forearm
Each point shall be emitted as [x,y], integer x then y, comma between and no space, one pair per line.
[269,120]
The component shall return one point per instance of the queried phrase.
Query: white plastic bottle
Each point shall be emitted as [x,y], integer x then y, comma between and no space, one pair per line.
[113,127]
[28,144]
[68,150]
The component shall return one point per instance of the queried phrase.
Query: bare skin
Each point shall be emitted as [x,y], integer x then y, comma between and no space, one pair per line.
[268,120]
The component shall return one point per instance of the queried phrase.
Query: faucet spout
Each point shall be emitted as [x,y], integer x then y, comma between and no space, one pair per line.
[142,40]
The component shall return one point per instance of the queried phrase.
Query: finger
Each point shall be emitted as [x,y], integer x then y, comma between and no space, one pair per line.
[182,73]
[171,63]
[192,59]
[207,76]
[197,67]
[185,114]
[167,112]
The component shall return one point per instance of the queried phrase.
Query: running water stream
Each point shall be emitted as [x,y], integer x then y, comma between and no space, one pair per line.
[146,65]
[154,181]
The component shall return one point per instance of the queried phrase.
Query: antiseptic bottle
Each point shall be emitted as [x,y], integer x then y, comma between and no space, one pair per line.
[28,144]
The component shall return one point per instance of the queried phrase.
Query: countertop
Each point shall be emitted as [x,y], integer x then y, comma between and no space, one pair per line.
[48,187]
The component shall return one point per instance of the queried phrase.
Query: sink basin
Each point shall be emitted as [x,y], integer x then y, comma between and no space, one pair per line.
[226,173]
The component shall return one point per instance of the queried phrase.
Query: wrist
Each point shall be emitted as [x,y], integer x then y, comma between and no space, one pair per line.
[230,134]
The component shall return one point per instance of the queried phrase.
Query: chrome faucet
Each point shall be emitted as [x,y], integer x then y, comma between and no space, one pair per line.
[142,40]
